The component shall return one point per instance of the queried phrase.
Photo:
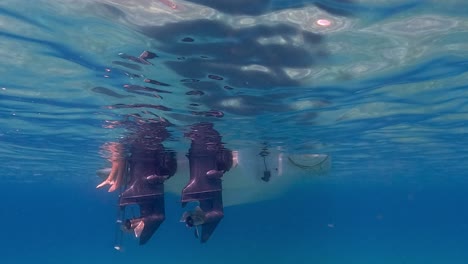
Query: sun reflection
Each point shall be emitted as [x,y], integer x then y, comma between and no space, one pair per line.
[323,22]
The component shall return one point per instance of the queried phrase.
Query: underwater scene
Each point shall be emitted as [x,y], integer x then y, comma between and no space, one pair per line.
[234,131]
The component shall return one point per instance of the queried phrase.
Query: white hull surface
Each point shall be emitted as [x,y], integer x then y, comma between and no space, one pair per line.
[244,184]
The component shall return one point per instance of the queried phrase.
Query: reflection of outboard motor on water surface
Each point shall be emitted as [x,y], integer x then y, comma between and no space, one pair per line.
[208,161]
[148,169]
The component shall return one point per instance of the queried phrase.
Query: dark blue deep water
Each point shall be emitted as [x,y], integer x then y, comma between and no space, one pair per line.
[378,87]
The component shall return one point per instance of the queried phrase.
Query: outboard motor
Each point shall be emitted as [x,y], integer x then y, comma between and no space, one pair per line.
[148,167]
[208,161]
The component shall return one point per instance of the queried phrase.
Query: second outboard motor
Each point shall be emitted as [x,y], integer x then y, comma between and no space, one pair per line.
[208,161]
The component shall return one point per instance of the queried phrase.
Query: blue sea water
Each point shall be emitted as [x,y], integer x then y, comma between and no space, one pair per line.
[380,86]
